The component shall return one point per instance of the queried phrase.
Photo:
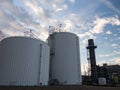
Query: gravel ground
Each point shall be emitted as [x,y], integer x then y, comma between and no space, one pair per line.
[83,87]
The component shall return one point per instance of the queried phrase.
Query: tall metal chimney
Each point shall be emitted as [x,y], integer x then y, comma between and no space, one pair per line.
[91,49]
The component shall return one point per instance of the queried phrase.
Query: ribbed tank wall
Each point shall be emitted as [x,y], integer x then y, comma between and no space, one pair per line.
[24,61]
[65,58]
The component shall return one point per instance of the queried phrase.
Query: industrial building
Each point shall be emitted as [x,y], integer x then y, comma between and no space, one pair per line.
[101,75]
[108,72]
[26,61]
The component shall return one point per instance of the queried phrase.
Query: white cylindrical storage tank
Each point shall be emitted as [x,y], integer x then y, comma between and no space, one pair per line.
[65,58]
[24,61]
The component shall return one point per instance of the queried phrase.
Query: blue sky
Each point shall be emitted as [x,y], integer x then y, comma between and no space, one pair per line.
[96,19]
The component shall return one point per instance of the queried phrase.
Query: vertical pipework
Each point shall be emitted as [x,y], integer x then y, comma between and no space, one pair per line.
[91,48]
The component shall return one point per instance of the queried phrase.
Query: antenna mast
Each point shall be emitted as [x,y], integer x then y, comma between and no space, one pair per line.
[56,28]
[31,34]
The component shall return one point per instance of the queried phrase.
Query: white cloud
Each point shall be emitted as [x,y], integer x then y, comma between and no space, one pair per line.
[106,38]
[115,35]
[65,6]
[42,13]
[34,9]
[59,8]
[37,10]
[118,38]
[117,53]
[17,20]
[86,34]
[108,32]
[114,45]
[9,17]
[100,63]
[110,5]
[68,24]
[100,23]
[11,32]
[113,20]
[85,69]
[116,60]
[84,42]
[104,55]
[113,61]
[108,55]
[72,1]
[96,27]
[57,1]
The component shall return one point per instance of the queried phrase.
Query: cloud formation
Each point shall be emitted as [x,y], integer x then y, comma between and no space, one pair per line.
[97,27]
[109,55]
[72,1]
[109,32]
[110,5]
[37,15]
[100,23]
[14,20]
[113,61]
[60,8]
[116,60]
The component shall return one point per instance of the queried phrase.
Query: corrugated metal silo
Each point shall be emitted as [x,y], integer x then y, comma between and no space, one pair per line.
[24,61]
[65,58]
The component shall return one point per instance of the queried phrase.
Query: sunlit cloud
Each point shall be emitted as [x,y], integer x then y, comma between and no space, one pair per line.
[114,45]
[109,32]
[35,10]
[59,8]
[72,1]
[68,24]
[17,24]
[10,32]
[100,63]
[116,60]
[118,38]
[113,61]
[105,55]
[85,69]
[100,23]
[109,55]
